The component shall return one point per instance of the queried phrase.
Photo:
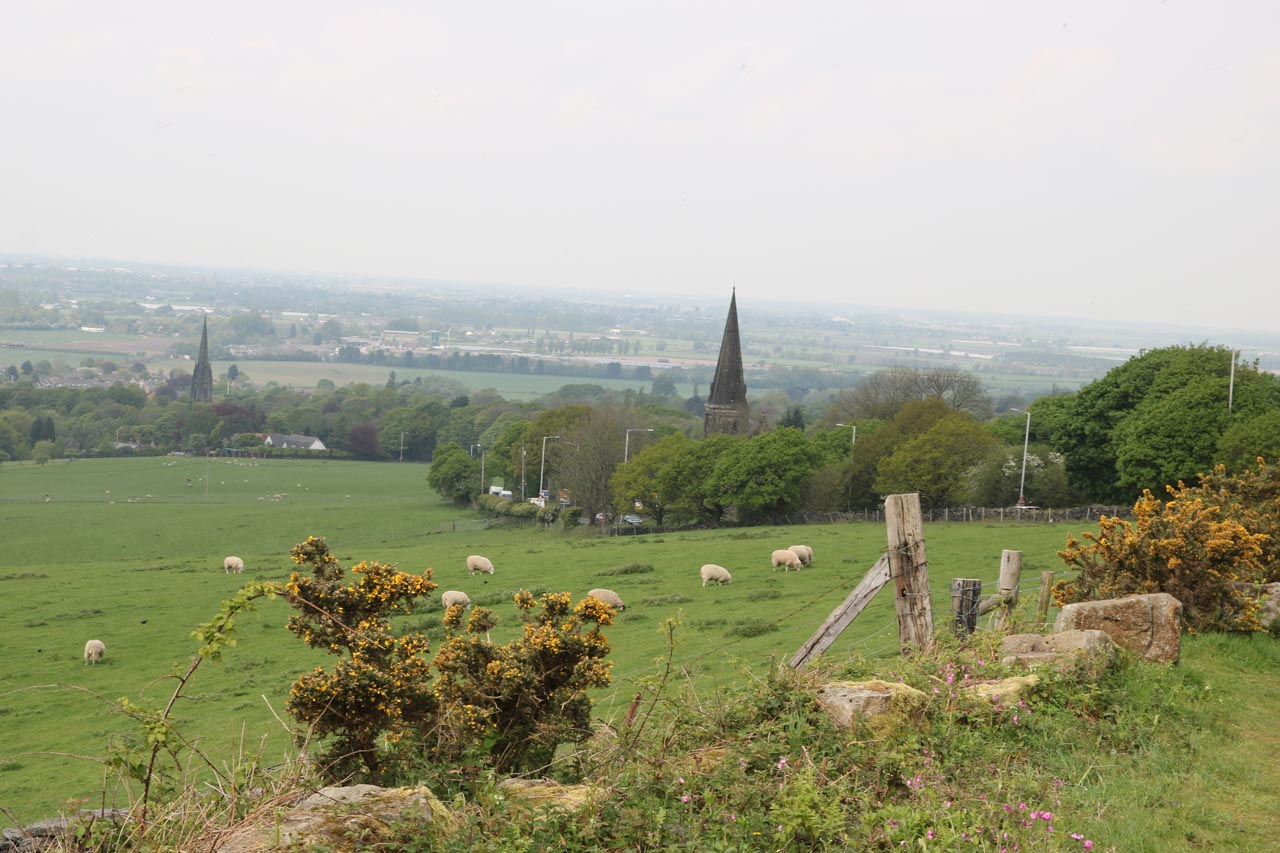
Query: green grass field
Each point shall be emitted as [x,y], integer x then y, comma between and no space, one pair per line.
[305,374]
[129,551]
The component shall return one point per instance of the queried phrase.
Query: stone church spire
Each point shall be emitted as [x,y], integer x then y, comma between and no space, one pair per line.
[726,408]
[202,377]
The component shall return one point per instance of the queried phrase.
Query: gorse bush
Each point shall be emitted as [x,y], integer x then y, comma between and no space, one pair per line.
[1190,547]
[382,682]
[387,706]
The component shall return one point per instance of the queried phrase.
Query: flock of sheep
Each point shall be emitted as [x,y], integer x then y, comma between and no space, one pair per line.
[793,557]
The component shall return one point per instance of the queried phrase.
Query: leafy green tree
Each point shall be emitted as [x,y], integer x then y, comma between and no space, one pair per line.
[936,463]
[454,474]
[640,479]
[1154,420]
[766,475]
[794,418]
[1246,440]
[687,482]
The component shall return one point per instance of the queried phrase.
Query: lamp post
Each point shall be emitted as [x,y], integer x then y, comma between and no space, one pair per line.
[1026,437]
[626,447]
[523,454]
[853,439]
[542,470]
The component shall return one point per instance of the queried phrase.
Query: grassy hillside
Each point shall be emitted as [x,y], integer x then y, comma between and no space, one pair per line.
[125,551]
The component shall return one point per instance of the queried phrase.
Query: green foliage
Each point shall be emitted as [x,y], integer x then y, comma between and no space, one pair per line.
[1188,547]
[628,569]
[381,684]
[523,698]
[937,462]
[455,474]
[1154,420]
[767,475]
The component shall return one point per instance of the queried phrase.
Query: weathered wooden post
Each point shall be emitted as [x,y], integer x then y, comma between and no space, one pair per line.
[1042,608]
[964,604]
[1010,578]
[909,571]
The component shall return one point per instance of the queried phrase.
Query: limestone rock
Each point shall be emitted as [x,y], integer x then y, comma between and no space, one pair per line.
[1006,691]
[882,705]
[1147,625]
[1090,651]
[332,816]
[548,793]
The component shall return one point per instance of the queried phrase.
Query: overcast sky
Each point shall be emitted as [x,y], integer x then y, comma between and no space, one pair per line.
[1111,158]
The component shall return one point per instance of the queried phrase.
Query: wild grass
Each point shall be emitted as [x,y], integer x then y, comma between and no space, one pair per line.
[140,576]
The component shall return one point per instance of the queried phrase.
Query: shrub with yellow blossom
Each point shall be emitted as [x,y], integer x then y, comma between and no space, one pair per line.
[1188,547]
[525,697]
[382,684]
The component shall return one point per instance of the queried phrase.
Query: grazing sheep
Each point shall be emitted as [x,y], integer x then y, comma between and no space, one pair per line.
[786,559]
[476,563]
[233,564]
[711,573]
[609,597]
[453,597]
[804,552]
[93,651]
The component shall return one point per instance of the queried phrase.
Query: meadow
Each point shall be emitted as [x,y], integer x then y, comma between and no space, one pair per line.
[129,551]
[305,374]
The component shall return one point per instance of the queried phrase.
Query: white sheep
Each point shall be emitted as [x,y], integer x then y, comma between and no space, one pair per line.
[476,563]
[93,651]
[804,552]
[233,564]
[786,559]
[711,573]
[609,597]
[453,596]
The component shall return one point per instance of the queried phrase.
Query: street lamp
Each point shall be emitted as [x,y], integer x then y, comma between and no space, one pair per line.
[543,468]
[626,447]
[1022,496]
[853,439]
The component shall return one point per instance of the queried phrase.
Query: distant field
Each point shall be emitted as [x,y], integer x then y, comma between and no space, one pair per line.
[305,374]
[140,576]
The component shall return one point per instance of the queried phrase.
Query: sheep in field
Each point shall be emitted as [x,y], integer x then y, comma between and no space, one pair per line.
[609,597]
[233,564]
[786,559]
[93,651]
[711,573]
[476,563]
[453,597]
[804,552]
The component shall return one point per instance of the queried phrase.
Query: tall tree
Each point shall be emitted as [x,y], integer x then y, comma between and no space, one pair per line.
[454,474]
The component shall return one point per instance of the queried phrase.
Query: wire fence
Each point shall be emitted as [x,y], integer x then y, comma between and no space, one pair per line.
[1029,515]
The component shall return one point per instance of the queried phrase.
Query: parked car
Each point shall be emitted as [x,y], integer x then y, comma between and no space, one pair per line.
[632,519]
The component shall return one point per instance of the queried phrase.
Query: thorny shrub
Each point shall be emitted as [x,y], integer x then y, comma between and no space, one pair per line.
[1189,547]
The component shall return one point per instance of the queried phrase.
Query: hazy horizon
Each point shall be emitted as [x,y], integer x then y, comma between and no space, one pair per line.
[1076,159]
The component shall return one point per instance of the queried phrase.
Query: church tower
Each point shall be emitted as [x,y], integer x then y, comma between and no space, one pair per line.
[726,408]
[202,378]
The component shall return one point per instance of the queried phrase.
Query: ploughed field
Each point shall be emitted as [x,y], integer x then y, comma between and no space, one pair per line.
[130,552]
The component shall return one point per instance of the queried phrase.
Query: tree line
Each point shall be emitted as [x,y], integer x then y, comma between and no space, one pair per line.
[1162,417]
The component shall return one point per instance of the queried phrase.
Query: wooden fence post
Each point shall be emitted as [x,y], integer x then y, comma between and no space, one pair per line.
[964,604]
[1010,578]
[1042,608]
[909,571]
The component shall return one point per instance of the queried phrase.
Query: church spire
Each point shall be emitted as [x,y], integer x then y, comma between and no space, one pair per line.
[202,377]
[726,409]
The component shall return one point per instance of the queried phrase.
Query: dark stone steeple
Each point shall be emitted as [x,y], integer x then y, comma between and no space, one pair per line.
[726,408]
[202,377]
